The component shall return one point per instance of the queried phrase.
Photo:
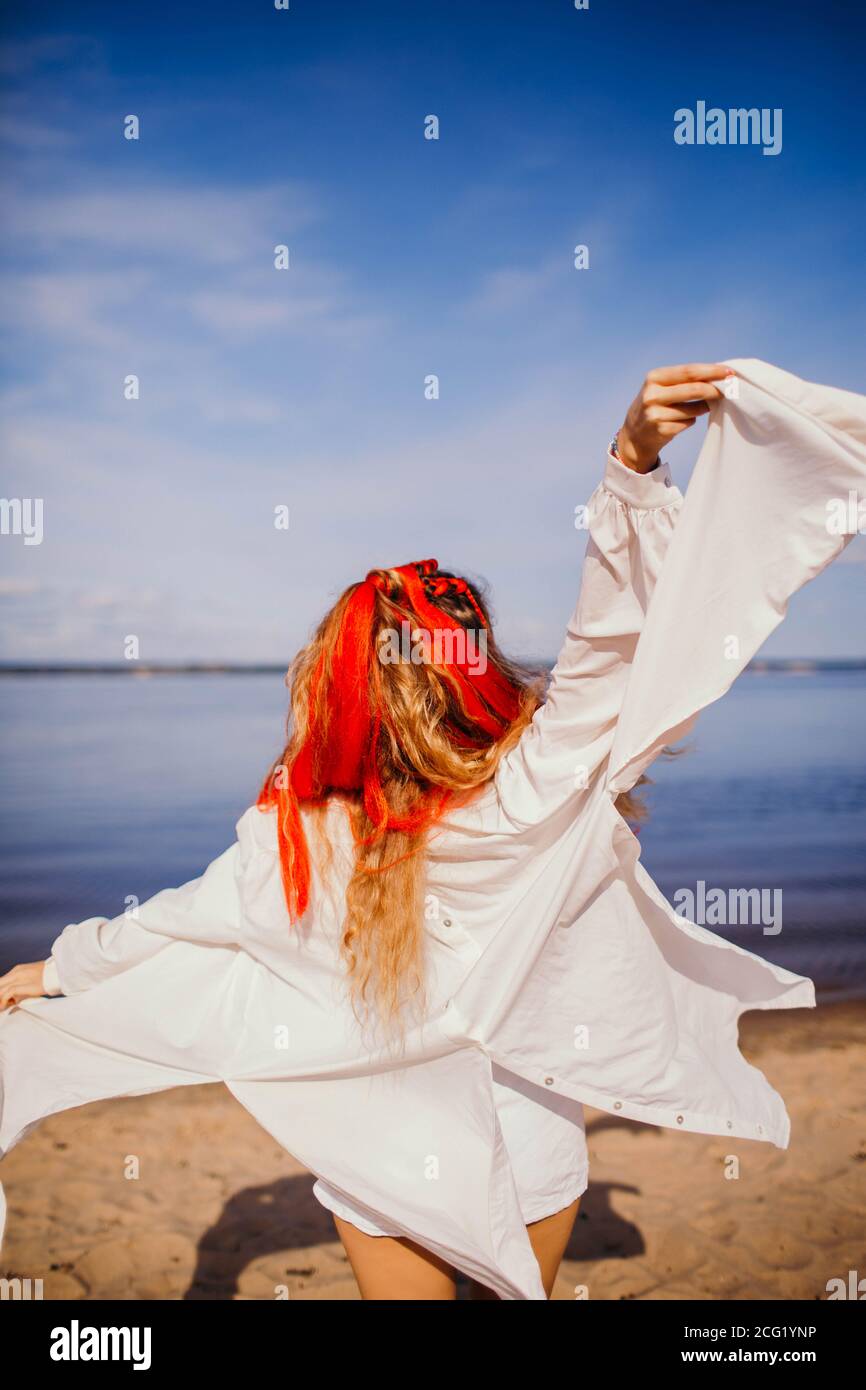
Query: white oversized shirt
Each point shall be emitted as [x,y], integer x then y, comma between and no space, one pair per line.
[550,950]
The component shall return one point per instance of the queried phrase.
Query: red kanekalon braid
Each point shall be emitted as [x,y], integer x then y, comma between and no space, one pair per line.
[440,584]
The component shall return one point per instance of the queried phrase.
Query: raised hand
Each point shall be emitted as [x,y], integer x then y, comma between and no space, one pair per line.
[669,401]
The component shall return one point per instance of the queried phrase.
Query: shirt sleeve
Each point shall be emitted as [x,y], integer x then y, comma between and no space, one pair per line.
[778,491]
[631,518]
[50,977]
[207,909]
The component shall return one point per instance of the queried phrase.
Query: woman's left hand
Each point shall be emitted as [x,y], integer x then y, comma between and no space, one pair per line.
[22,982]
[670,400]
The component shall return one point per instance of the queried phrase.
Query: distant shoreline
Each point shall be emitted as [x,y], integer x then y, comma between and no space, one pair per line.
[140,668]
[760,666]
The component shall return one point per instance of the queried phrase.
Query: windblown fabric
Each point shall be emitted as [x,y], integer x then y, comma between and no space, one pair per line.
[551,952]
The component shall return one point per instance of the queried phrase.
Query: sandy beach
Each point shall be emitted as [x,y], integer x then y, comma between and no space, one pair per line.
[219,1211]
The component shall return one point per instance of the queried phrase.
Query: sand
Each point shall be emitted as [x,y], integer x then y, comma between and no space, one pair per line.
[219,1211]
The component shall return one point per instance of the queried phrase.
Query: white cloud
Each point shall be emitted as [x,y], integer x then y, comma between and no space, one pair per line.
[513,288]
[32,136]
[201,225]
[18,588]
[308,301]
[82,306]
[24,57]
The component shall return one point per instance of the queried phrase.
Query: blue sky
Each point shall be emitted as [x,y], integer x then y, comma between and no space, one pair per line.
[305,388]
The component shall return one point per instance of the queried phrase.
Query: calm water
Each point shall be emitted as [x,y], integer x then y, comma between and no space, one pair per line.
[119,785]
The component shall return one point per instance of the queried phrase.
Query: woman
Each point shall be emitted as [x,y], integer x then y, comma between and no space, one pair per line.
[433,939]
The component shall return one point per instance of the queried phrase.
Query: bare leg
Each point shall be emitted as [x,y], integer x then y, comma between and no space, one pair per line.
[548,1239]
[387,1268]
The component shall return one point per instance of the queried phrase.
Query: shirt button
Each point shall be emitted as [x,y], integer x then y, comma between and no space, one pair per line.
[446,921]
[617,1105]
[679,1119]
[548,1081]
[730,1124]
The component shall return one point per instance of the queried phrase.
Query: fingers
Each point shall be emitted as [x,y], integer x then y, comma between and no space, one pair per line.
[690,410]
[15,986]
[683,391]
[691,371]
